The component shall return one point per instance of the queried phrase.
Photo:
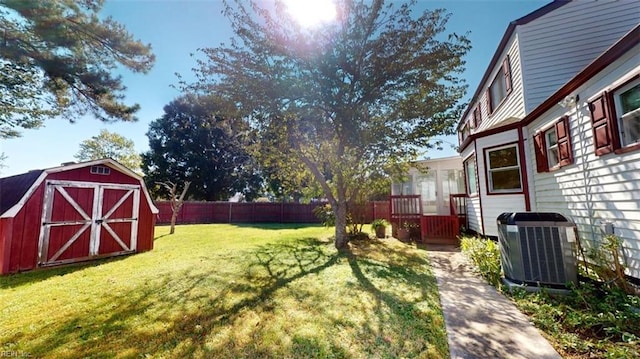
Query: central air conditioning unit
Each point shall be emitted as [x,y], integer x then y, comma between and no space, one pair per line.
[537,249]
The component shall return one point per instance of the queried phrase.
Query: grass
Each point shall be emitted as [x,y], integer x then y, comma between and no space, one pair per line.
[229,291]
[589,322]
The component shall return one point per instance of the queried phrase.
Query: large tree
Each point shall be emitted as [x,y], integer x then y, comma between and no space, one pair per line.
[110,145]
[193,142]
[57,58]
[346,98]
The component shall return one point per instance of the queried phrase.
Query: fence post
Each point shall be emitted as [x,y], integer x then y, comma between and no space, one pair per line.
[230,205]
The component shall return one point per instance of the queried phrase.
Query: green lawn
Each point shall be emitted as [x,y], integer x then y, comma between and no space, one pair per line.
[229,291]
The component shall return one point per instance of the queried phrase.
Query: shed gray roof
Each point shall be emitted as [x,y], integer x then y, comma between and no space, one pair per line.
[13,188]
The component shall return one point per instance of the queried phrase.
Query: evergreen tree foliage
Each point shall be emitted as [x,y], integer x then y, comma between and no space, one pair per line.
[58,57]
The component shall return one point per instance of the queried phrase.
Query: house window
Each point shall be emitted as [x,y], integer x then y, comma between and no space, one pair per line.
[504,169]
[464,133]
[553,146]
[627,101]
[470,173]
[477,117]
[100,170]
[551,138]
[615,119]
[500,88]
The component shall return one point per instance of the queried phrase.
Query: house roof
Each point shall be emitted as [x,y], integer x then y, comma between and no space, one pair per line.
[16,190]
[503,44]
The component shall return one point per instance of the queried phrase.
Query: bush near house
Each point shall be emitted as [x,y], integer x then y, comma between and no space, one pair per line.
[592,321]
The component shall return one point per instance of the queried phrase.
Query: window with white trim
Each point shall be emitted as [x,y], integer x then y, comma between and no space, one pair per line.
[100,170]
[503,169]
[627,104]
[553,146]
[551,139]
[615,119]
[500,87]
[470,173]
[464,133]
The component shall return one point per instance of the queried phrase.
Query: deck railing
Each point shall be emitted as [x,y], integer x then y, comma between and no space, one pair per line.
[433,228]
[458,207]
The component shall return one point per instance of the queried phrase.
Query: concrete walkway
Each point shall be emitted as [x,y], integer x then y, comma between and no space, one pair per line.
[481,323]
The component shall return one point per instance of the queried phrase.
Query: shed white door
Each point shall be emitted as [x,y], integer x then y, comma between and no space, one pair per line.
[83,220]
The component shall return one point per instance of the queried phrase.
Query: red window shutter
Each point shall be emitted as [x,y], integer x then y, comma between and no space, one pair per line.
[487,99]
[541,153]
[565,152]
[602,124]
[506,68]
[478,116]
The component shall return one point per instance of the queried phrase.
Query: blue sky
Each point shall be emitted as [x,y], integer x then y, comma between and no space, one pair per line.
[176,29]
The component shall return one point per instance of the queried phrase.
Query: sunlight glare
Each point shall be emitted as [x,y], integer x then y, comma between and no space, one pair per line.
[311,13]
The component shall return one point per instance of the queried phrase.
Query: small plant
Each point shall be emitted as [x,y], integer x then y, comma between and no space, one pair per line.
[379,226]
[607,262]
[380,222]
[485,255]
[326,215]
[409,225]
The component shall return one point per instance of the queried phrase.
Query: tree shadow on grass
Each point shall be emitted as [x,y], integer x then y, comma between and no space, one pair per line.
[229,312]
[405,313]
[42,274]
[185,309]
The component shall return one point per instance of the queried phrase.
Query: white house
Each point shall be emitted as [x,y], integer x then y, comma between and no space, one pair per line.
[554,126]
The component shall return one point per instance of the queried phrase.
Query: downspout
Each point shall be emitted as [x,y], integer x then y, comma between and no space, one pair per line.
[524,173]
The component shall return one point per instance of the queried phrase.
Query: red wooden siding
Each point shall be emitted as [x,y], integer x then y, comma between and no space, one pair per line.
[84,174]
[25,231]
[20,234]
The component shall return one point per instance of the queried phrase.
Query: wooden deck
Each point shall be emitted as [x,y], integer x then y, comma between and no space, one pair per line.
[431,229]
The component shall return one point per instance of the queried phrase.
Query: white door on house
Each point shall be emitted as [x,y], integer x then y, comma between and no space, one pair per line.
[428,189]
[452,183]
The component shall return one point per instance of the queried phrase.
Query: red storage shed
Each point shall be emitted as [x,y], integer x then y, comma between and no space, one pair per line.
[75,212]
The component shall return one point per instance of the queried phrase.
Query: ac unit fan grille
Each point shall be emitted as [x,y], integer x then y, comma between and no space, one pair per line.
[542,255]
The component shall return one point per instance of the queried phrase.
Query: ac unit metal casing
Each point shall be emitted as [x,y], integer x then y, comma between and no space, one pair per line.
[537,248]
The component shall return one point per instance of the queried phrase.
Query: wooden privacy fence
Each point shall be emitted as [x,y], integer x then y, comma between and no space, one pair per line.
[259,212]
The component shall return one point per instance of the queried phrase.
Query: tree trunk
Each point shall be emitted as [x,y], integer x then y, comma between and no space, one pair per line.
[341,226]
[176,203]
[174,216]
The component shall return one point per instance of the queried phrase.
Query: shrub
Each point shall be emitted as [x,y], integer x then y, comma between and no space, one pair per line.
[485,256]
[326,215]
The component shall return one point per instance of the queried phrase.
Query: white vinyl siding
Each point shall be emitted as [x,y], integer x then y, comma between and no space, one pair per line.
[595,189]
[513,105]
[559,44]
